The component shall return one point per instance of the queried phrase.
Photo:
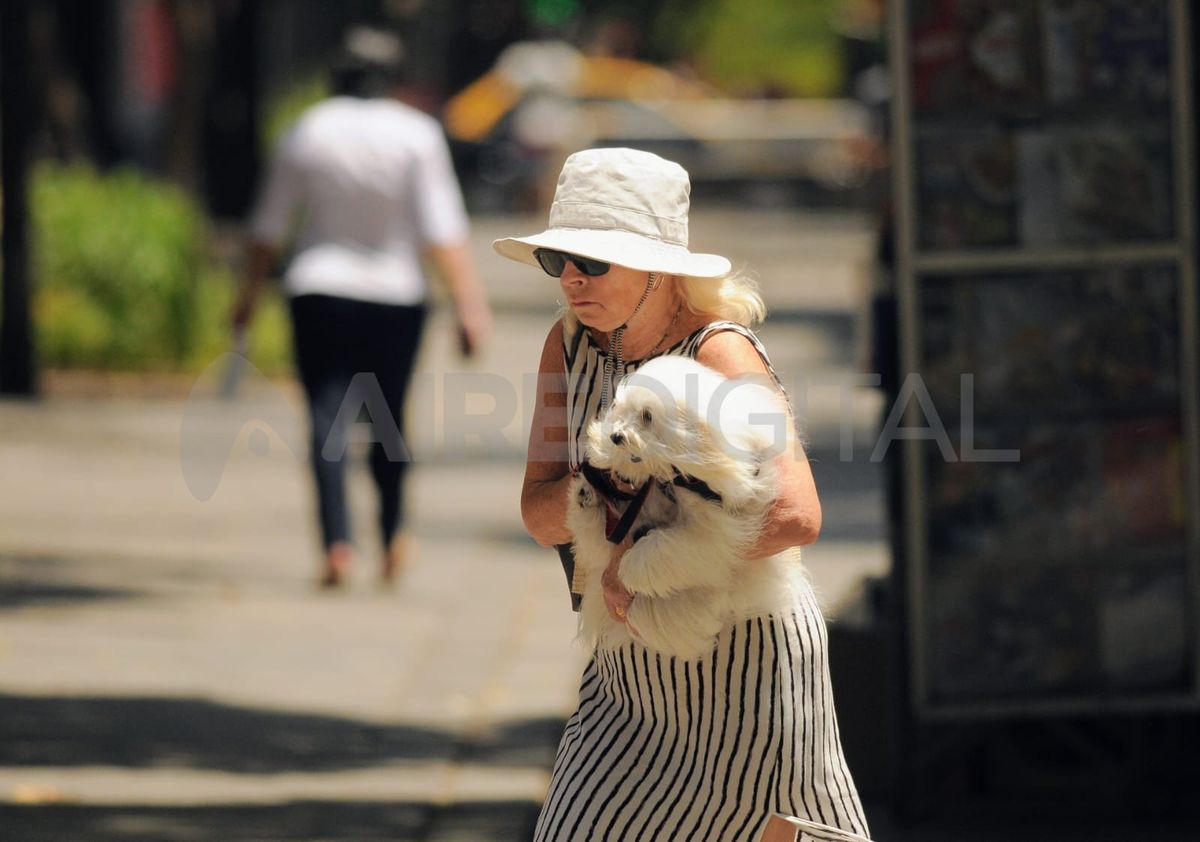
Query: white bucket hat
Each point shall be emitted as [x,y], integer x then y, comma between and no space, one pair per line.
[621,206]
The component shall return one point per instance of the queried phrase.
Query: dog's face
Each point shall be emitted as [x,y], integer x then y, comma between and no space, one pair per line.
[642,434]
[675,413]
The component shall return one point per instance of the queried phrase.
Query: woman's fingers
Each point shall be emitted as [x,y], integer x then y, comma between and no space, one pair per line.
[616,597]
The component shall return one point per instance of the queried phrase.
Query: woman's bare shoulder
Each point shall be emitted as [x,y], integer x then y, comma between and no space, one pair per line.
[552,350]
[730,352]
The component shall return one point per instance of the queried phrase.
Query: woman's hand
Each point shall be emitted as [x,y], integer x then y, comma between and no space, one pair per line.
[258,270]
[617,597]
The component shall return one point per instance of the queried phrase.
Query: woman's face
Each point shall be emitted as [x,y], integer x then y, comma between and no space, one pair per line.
[603,302]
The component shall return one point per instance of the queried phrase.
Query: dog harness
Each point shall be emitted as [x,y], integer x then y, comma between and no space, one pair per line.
[585,368]
[617,523]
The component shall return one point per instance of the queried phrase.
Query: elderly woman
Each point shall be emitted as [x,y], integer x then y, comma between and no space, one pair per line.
[661,747]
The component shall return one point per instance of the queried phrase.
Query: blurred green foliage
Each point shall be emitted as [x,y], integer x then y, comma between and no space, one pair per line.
[756,47]
[551,12]
[125,279]
[118,260]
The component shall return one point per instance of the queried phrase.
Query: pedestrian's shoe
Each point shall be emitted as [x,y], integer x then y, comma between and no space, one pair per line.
[394,561]
[337,565]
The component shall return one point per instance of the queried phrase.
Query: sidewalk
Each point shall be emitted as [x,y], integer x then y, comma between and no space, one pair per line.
[169,672]
[159,653]
[166,661]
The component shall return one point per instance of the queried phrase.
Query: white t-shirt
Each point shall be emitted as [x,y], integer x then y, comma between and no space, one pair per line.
[367,183]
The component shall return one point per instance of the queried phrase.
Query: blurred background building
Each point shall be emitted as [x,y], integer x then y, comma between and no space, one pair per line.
[195,94]
[193,91]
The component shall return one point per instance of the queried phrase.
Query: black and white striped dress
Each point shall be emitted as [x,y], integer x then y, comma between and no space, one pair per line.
[666,749]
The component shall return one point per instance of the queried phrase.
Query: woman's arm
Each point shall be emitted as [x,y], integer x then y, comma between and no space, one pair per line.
[795,517]
[547,471]
[455,267]
[258,270]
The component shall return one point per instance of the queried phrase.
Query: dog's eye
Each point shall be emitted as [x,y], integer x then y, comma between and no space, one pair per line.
[646,416]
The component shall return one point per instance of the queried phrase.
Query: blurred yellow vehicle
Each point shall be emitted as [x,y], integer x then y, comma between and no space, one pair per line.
[543,100]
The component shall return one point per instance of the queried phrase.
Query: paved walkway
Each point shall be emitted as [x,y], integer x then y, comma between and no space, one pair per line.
[169,672]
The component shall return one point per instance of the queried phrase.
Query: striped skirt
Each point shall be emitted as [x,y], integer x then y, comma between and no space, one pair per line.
[663,749]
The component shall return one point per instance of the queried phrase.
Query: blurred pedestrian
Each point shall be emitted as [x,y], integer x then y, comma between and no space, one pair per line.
[662,746]
[362,189]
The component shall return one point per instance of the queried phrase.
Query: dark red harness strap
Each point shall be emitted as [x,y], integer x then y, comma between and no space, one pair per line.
[618,532]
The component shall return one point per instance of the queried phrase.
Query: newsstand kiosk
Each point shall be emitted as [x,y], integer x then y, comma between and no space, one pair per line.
[1045,267]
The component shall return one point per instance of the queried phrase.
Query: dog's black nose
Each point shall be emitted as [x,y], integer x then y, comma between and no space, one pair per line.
[618,438]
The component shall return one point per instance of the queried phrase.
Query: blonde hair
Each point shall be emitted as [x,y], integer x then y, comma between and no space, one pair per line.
[734,297]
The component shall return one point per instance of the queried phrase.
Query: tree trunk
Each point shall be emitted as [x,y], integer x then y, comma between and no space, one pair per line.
[17,375]
[192,27]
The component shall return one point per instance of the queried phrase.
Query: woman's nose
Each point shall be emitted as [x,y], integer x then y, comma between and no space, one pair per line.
[571,275]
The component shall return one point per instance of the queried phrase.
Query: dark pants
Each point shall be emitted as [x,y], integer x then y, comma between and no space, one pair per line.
[356,356]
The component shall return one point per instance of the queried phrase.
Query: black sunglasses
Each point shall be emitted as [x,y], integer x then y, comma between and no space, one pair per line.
[554,262]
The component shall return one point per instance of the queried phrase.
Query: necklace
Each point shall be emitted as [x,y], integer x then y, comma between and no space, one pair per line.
[666,332]
[614,363]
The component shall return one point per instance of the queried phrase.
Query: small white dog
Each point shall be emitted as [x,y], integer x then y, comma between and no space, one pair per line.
[697,450]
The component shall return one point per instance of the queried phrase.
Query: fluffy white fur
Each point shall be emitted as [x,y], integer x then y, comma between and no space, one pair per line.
[688,570]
